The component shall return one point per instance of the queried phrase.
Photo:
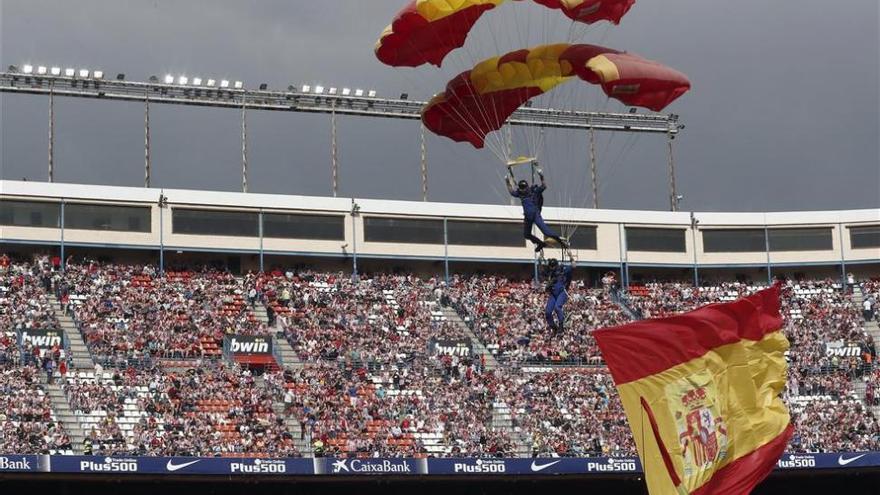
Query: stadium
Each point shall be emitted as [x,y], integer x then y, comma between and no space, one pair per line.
[163,338]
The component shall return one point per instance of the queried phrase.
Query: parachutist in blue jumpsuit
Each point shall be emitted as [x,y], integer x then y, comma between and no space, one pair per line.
[558,280]
[532,199]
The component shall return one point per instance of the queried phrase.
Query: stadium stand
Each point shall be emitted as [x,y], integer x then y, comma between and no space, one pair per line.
[366,383]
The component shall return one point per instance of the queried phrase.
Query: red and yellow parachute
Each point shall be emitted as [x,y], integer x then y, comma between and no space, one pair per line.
[480,101]
[425,31]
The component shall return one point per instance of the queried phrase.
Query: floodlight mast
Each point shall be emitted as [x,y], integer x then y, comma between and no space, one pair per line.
[231,94]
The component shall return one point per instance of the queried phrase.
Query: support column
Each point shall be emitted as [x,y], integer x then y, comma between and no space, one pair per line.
[673,192]
[147,164]
[334,158]
[767,249]
[52,132]
[424,162]
[594,175]
[261,241]
[244,152]
[355,211]
[842,257]
[446,250]
[63,258]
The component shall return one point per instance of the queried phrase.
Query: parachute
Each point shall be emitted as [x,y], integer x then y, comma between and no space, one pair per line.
[425,31]
[479,101]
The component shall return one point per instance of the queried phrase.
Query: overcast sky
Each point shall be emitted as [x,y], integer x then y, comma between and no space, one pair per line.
[783,114]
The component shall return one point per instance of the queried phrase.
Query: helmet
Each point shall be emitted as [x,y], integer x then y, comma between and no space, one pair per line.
[523,185]
[552,263]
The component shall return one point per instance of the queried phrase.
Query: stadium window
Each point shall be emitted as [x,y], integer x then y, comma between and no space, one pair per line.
[500,234]
[579,236]
[865,237]
[734,241]
[801,239]
[107,217]
[30,214]
[403,230]
[290,226]
[655,240]
[213,222]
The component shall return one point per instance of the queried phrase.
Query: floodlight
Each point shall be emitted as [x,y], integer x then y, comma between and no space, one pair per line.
[404,96]
[27,69]
[84,73]
[197,81]
[154,79]
[211,83]
[306,88]
[224,83]
[264,86]
[182,80]
[42,70]
[239,84]
[68,72]
[332,91]
[56,71]
[169,79]
[319,89]
[359,92]
[372,93]
[120,77]
[98,74]
[346,91]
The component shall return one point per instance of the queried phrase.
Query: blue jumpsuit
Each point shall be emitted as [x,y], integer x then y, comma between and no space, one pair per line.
[560,278]
[532,201]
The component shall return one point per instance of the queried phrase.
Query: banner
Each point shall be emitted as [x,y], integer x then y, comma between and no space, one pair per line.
[222,466]
[450,347]
[370,466]
[840,349]
[23,463]
[42,338]
[247,344]
[536,466]
[181,465]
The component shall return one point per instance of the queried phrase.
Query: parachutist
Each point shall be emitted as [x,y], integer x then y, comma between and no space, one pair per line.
[532,199]
[558,278]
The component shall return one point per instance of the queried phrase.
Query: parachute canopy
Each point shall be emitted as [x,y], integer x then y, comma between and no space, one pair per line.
[425,31]
[479,101]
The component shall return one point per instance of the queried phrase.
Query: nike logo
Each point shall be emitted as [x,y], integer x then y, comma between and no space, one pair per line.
[540,467]
[844,462]
[175,467]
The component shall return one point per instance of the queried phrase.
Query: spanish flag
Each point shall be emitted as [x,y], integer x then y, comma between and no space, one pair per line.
[702,391]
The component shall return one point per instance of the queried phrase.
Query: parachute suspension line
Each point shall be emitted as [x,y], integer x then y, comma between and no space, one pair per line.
[244,149]
[424,162]
[673,193]
[334,157]
[594,176]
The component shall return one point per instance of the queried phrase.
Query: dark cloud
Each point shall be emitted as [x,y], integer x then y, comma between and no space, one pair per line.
[783,114]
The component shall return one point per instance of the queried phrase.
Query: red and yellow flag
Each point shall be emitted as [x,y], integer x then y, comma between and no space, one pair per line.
[702,391]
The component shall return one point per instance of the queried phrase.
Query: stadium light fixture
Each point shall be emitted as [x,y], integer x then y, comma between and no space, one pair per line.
[346,91]
[84,73]
[197,81]
[120,77]
[306,88]
[224,83]
[319,89]
[239,85]
[41,70]
[154,79]
[372,93]
[56,71]
[169,79]
[69,72]
[359,92]
[211,83]
[404,96]
[264,86]
[27,69]
[333,91]
[98,74]
[182,80]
